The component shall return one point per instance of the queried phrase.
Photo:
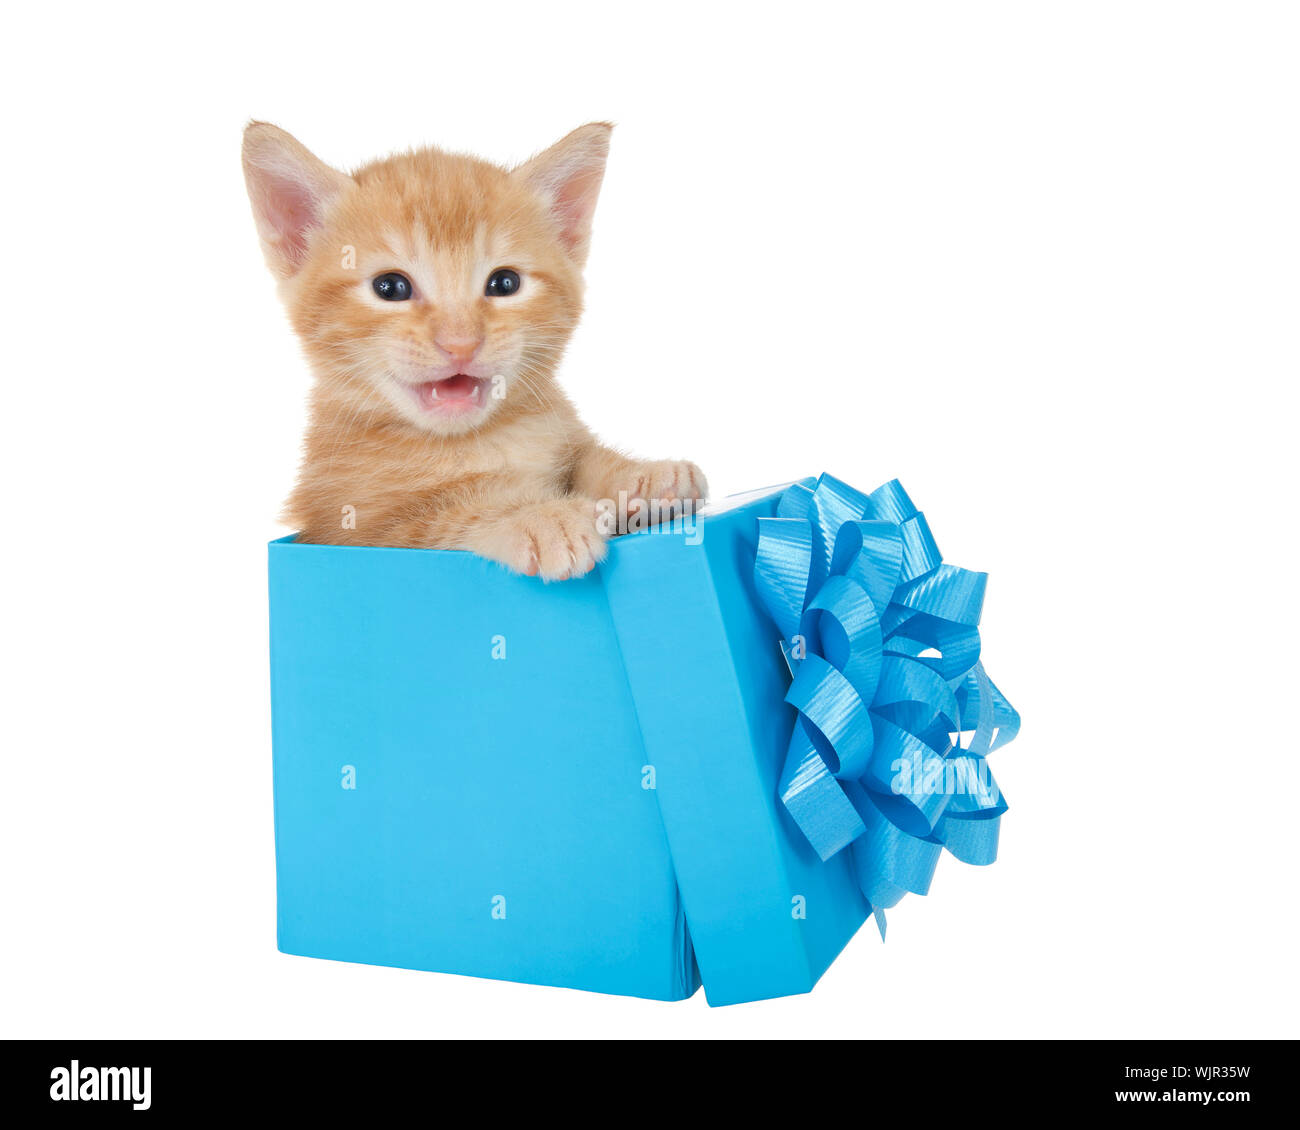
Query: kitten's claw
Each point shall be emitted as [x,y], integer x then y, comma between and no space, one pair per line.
[556,541]
[670,480]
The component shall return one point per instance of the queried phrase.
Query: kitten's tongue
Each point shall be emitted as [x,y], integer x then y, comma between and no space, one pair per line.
[458,388]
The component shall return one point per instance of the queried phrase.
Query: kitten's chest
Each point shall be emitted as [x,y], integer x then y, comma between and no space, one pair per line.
[533,450]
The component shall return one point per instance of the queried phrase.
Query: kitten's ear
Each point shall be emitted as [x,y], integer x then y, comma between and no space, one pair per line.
[290,189]
[567,176]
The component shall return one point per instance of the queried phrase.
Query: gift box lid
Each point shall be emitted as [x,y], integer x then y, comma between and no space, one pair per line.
[767,916]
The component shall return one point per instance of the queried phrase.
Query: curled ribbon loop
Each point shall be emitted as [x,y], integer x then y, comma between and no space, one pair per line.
[895,712]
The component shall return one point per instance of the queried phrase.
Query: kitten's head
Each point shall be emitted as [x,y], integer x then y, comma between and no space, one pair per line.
[430,285]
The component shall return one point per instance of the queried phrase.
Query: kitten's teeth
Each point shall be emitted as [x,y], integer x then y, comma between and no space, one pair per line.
[433,391]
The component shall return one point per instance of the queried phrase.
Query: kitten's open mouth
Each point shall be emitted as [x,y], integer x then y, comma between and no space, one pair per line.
[452,396]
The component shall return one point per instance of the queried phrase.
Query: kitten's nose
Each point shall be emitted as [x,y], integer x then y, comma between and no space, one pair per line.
[459,347]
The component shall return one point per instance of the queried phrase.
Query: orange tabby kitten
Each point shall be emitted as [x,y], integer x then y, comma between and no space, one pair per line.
[434,294]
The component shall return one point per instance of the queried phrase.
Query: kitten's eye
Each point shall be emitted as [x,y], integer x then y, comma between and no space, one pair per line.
[502,283]
[392,287]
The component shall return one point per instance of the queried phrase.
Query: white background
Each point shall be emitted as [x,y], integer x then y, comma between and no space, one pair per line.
[1038,260]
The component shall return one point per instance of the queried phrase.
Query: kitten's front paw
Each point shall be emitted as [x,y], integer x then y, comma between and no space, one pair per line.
[553,540]
[672,480]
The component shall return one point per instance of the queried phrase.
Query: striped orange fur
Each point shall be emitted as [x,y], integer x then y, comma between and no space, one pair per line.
[436,420]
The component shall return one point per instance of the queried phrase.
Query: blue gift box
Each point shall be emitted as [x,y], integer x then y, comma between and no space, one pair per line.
[458,776]
[575,784]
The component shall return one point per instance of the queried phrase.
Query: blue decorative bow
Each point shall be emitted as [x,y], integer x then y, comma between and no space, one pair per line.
[896,714]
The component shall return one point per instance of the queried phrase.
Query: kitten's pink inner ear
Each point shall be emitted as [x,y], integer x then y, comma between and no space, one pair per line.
[291,210]
[575,204]
[290,189]
[568,177]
